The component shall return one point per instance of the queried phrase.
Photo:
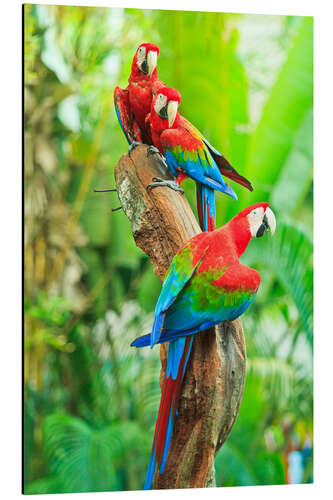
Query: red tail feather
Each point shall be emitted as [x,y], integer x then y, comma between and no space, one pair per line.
[228,171]
[169,401]
[210,220]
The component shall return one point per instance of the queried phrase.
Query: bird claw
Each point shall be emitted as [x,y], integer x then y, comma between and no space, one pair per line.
[158,182]
[132,146]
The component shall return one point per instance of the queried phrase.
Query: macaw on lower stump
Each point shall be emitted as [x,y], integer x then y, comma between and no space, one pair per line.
[204,285]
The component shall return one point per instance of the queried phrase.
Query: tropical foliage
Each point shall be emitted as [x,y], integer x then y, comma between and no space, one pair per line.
[91,400]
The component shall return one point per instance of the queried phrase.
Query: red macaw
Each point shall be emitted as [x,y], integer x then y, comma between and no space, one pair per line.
[205,285]
[133,103]
[187,154]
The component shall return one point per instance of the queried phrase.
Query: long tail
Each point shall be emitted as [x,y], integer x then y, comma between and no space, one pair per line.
[206,207]
[226,169]
[178,355]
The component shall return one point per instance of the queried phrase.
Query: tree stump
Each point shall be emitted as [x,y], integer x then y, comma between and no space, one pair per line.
[161,222]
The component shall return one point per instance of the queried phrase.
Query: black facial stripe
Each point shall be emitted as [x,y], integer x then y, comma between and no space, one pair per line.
[144,66]
[164,112]
[263,228]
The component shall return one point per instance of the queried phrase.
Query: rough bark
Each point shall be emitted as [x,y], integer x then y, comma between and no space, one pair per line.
[161,222]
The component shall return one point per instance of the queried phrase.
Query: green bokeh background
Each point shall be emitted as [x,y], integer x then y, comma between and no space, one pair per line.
[91,400]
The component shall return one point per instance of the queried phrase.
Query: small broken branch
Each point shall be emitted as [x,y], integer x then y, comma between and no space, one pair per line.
[161,222]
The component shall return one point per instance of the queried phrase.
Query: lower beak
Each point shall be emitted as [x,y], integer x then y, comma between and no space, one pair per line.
[172,112]
[151,61]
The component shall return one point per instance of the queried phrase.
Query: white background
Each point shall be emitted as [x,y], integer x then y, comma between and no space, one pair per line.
[11,241]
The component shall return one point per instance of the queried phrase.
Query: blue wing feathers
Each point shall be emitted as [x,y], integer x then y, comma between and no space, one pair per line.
[168,335]
[120,123]
[171,162]
[157,328]
[206,173]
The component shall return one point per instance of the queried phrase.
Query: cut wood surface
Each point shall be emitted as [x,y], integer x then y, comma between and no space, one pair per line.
[161,222]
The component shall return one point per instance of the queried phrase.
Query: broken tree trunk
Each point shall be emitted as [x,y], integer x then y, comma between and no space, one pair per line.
[161,222]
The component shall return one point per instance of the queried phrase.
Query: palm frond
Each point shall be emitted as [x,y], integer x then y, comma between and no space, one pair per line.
[86,458]
[289,256]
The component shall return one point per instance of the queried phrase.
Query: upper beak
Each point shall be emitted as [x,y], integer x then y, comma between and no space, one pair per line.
[271,221]
[151,61]
[172,112]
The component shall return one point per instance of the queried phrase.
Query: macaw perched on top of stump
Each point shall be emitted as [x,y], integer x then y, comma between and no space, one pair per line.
[187,154]
[205,285]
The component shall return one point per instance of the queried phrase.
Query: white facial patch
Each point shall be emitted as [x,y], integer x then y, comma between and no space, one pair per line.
[255,218]
[160,103]
[141,56]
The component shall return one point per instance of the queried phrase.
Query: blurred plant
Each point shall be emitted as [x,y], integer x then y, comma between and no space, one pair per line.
[107,448]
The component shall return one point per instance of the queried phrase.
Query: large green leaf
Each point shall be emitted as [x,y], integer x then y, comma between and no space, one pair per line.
[289,256]
[89,459]
[287,105]
[296,176]
[213,83]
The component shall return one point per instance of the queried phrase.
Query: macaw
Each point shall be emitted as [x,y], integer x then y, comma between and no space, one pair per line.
[187,154]
[133,104]
[204,285]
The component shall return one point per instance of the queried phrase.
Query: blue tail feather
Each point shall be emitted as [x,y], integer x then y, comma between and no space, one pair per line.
[176,349]
[150,471]
[168,400]
[206,207]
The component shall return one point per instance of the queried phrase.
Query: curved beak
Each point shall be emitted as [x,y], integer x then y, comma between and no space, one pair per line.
[271,221]
[268,223]
[172,112]
[151,61]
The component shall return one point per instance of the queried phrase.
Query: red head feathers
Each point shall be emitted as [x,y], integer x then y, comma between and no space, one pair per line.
[164,109]
[252,222]
[170,93]
[144,62]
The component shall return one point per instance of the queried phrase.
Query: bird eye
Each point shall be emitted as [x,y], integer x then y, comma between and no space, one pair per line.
[254,212]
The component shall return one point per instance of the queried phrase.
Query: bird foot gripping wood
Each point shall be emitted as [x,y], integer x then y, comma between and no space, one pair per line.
[158,182]
[161,222]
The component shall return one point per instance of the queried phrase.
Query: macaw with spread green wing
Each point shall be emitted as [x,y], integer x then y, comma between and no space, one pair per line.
[205,285]
[187,154]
